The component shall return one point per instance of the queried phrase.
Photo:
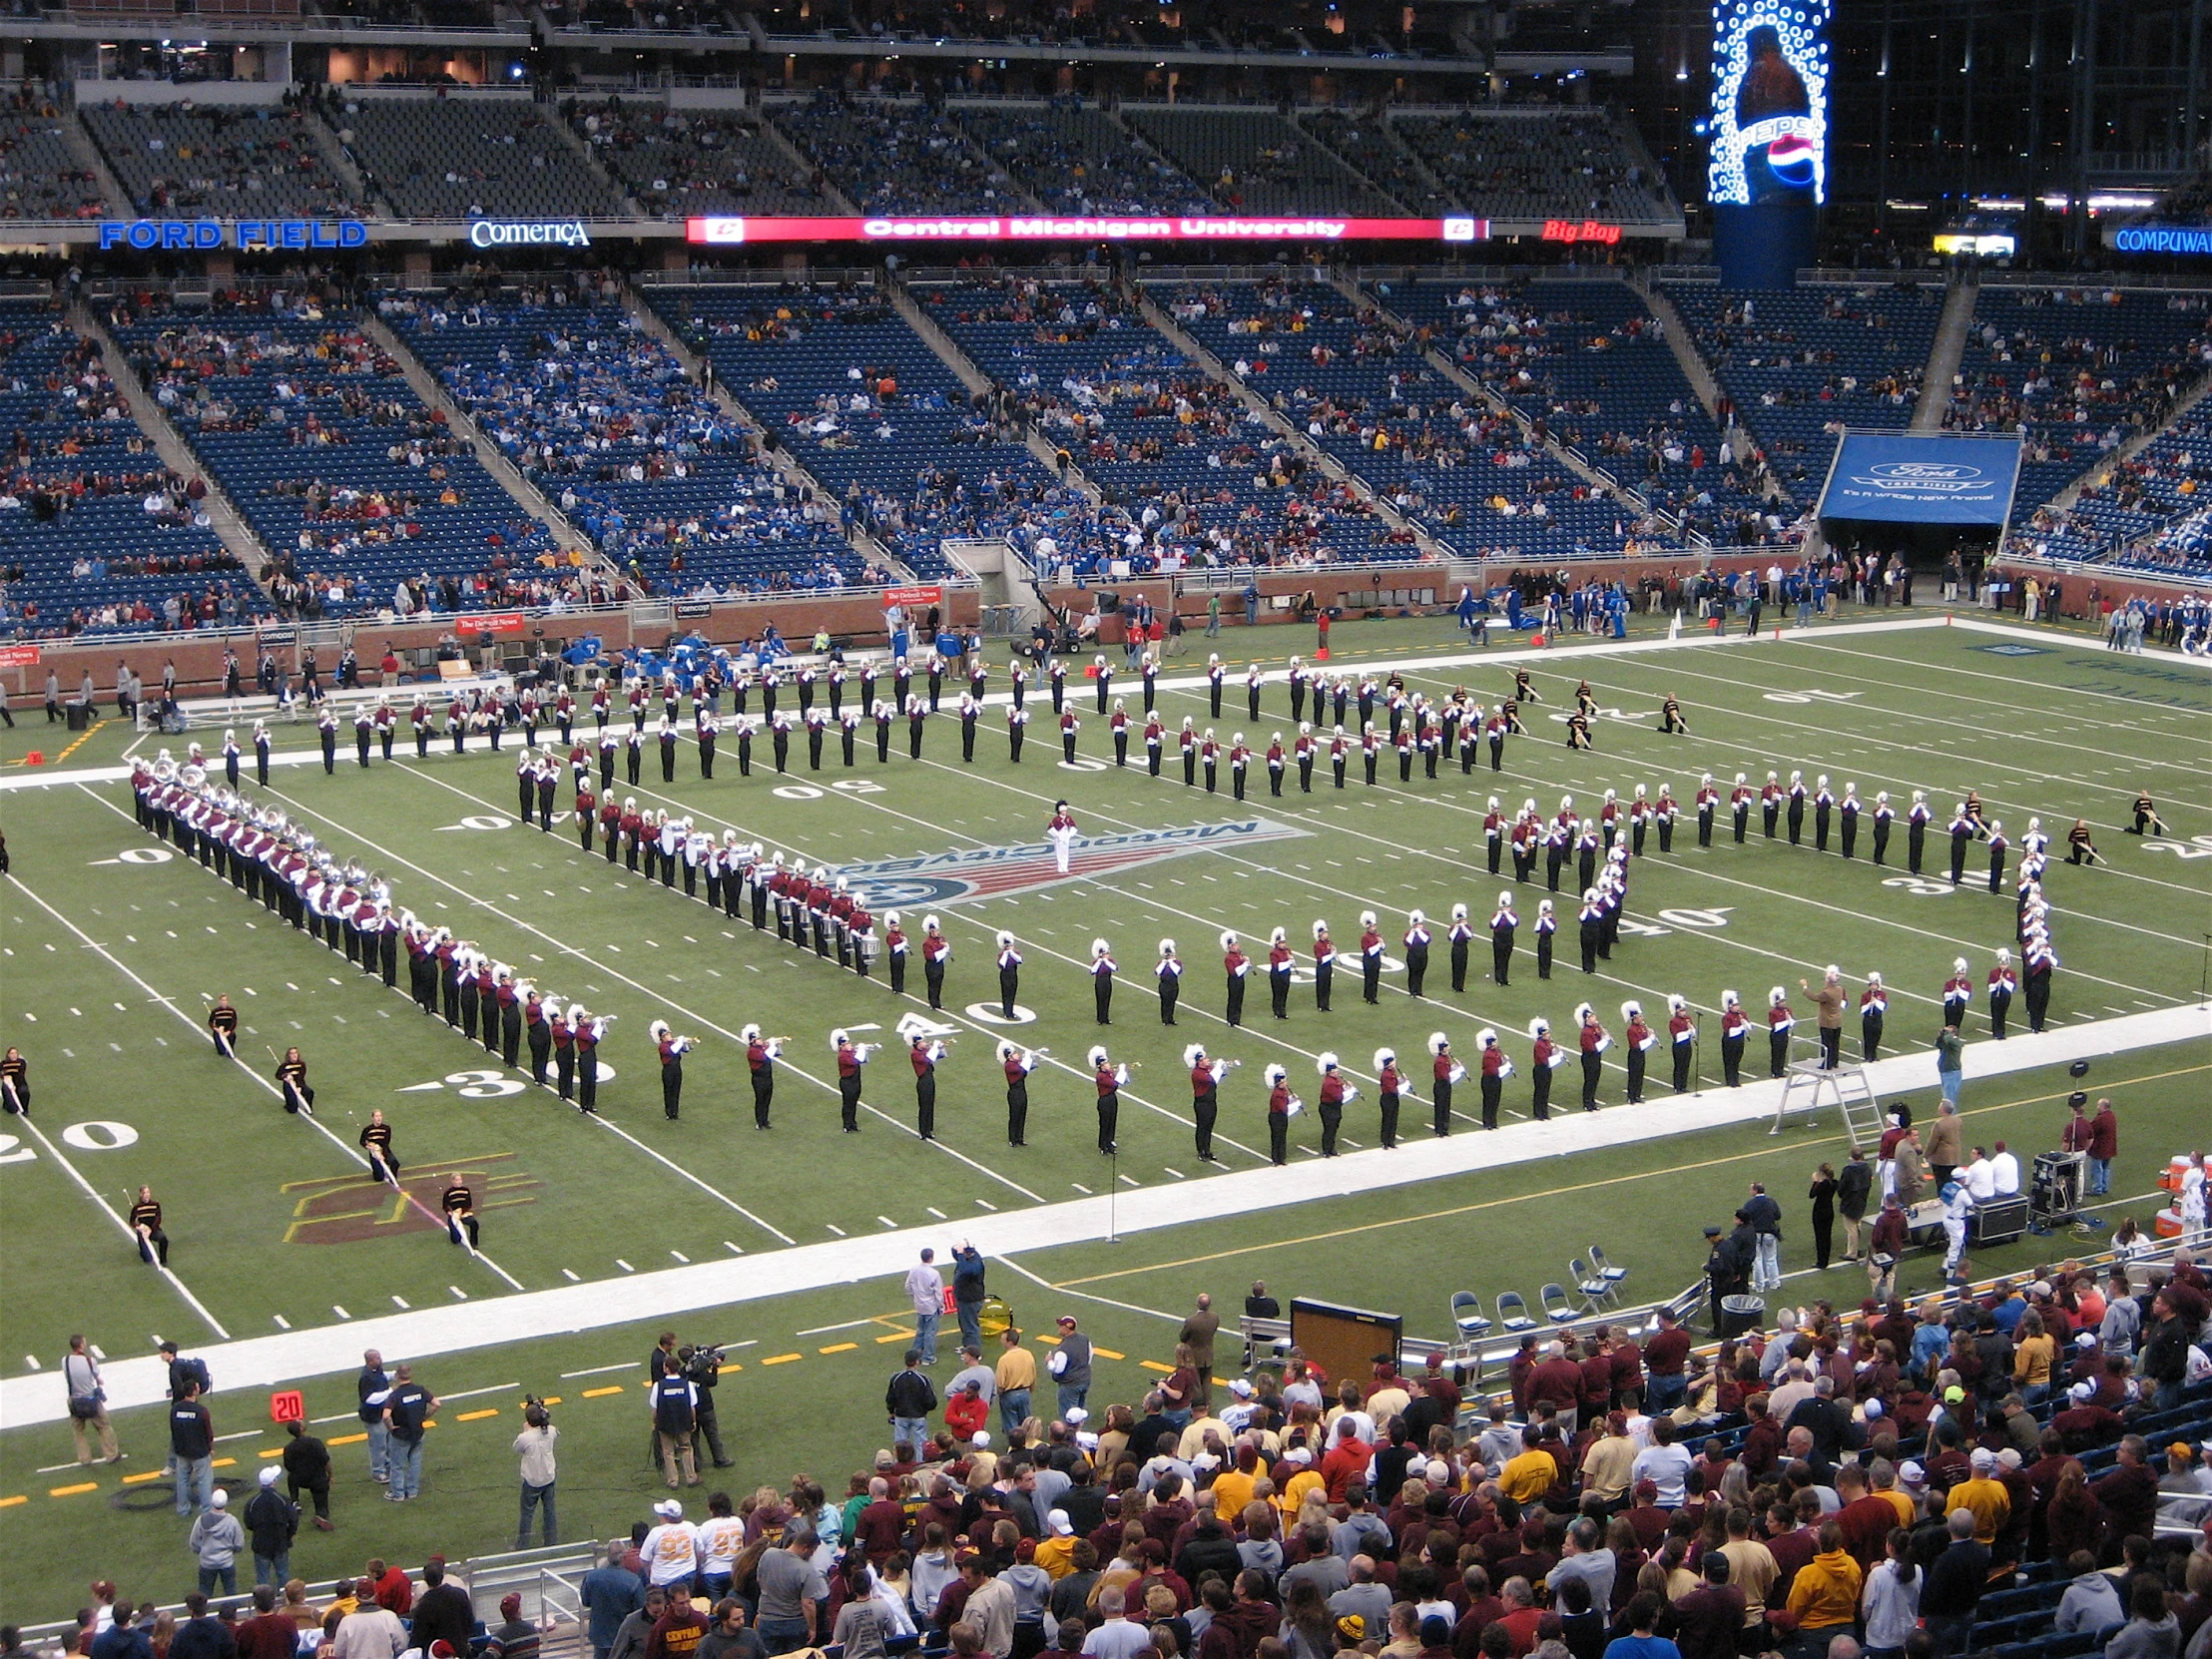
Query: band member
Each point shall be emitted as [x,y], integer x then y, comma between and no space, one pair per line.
[223,1026]
[1325,967]
[15,1083]
[1009,974]
[1915,830]
[672,1049]
[1109,1079]
[1206,1076]
[326,725]
[1641,1041]
[1547,928]
[2147,822]
[1280,962]
[761,1054]
[1848,812]
[145,1227]
[1796,796]
[1578,731]
[1334,1096]
[1216,675]
[1169,971]
[291,1078]
[1103,970]
[1118,728]
[2079,850]
[1544,1058]
[1592,1041]
[937,951]
[460,1212]
[1062,833]
[1371,958]
[1281,1105]
[1735,1032]
[1274,765]
[1017,727]
[537,1029]
[1670,716]
[1871,1011]
[922,1054]
[375,1141]
[1389,1090]
[1240,763]
[1155,735]
[1682,1039]
[1416,951]
[1069,726]
[1017,1063]
[2041,961]
[1998,845]
[260,753]
[2004,981]
[1769,804]
[852,1056]
[1779,1023]
[1961,835]
[1236,967]
[590,1032]
[1496,1068]
[1459,937]
[1590,921]
[1958,992]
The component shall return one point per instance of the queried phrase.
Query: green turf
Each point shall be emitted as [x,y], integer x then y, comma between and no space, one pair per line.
[2069,730]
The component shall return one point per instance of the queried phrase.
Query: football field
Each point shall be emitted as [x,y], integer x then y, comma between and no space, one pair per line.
[287,1259]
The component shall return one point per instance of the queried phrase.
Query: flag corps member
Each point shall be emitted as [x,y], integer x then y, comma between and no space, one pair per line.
[223,1026]
[291,1076]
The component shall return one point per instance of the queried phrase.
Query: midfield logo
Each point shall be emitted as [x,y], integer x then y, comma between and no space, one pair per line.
[996,871]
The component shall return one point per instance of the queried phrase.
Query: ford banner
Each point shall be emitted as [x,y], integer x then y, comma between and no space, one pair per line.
[1893,478]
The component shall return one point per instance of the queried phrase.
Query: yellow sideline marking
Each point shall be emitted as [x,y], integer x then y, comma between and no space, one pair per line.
[72,1492]
[11,1502]
[1552,1192]
[781,1358]
[597,1394]
[474,1416]
[840,1348]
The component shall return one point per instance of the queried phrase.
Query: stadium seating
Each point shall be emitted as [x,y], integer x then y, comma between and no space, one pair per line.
[96,534]
[1587,359]
[897,157]
[1367,143]
[1529,163]
[1175,451]
[868,409]
[1254,161]
[1801,363]
[460,157]
[1365,395]
[1076,159]
[680,162]
[39,177]
[2076,371]
[184,159]
[344,474]
[599,414]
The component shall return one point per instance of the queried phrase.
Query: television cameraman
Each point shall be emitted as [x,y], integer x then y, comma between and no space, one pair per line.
[702,1368]
[534,1449]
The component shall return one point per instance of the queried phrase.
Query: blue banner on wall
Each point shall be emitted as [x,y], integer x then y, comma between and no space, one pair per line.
[1896,479]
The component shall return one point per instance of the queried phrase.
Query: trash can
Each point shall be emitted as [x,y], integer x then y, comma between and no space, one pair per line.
[1740,1313]
[80,717]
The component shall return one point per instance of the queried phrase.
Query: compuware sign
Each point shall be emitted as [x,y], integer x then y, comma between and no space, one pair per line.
[1890,479]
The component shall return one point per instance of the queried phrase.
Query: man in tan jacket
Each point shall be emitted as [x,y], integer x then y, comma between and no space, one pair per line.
[1947,1143]
[1829,1000]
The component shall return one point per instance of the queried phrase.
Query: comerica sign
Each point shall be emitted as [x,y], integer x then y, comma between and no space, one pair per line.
[732,232]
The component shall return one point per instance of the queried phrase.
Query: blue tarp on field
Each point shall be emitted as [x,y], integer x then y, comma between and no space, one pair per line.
[1896,479]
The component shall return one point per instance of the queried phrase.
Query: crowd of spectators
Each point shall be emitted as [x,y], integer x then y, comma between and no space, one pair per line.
[1527,164]
[895,157]
[1918,1478]
[186,159]
[39,177]
[1079,161]
[680,162]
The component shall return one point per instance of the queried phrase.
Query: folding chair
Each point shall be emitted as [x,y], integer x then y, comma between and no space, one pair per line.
[1606,1270]
[1596,1290]
[1513,1312]
[1467,1316]
[1557,1307]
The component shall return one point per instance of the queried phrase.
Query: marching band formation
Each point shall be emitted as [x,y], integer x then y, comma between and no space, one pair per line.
[352,910]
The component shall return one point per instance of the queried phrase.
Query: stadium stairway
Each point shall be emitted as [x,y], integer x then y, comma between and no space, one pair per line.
[504,472]
[972,377]
[599,169]
[340,161]
[1944,357]
[807,166]
[2127,451]
[223,517]
[1676,331]
[1284,427]
[1444,363]
[779,456]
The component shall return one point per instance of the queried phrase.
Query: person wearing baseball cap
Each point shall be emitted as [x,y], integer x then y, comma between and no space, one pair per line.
[1984,1494]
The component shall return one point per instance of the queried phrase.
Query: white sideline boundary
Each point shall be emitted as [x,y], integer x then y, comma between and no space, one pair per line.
[274,1360]
[1081,695]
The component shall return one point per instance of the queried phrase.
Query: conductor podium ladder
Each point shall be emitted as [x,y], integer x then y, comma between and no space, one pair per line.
[1806,1087]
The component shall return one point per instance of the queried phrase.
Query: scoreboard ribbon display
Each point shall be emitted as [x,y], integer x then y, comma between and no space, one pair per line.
[965,229]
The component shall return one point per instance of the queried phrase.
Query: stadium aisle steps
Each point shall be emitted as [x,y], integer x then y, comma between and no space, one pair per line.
[1944,355]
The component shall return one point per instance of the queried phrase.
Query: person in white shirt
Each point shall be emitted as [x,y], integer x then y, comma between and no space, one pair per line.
[671,1550]
[721,1539]
[369,1631]
[1665,1465]
[2004,1169]
[1979,1177]
[534,1449]
[926,1293]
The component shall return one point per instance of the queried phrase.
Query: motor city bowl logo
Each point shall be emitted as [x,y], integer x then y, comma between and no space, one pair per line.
[998,872]
[1943,477]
